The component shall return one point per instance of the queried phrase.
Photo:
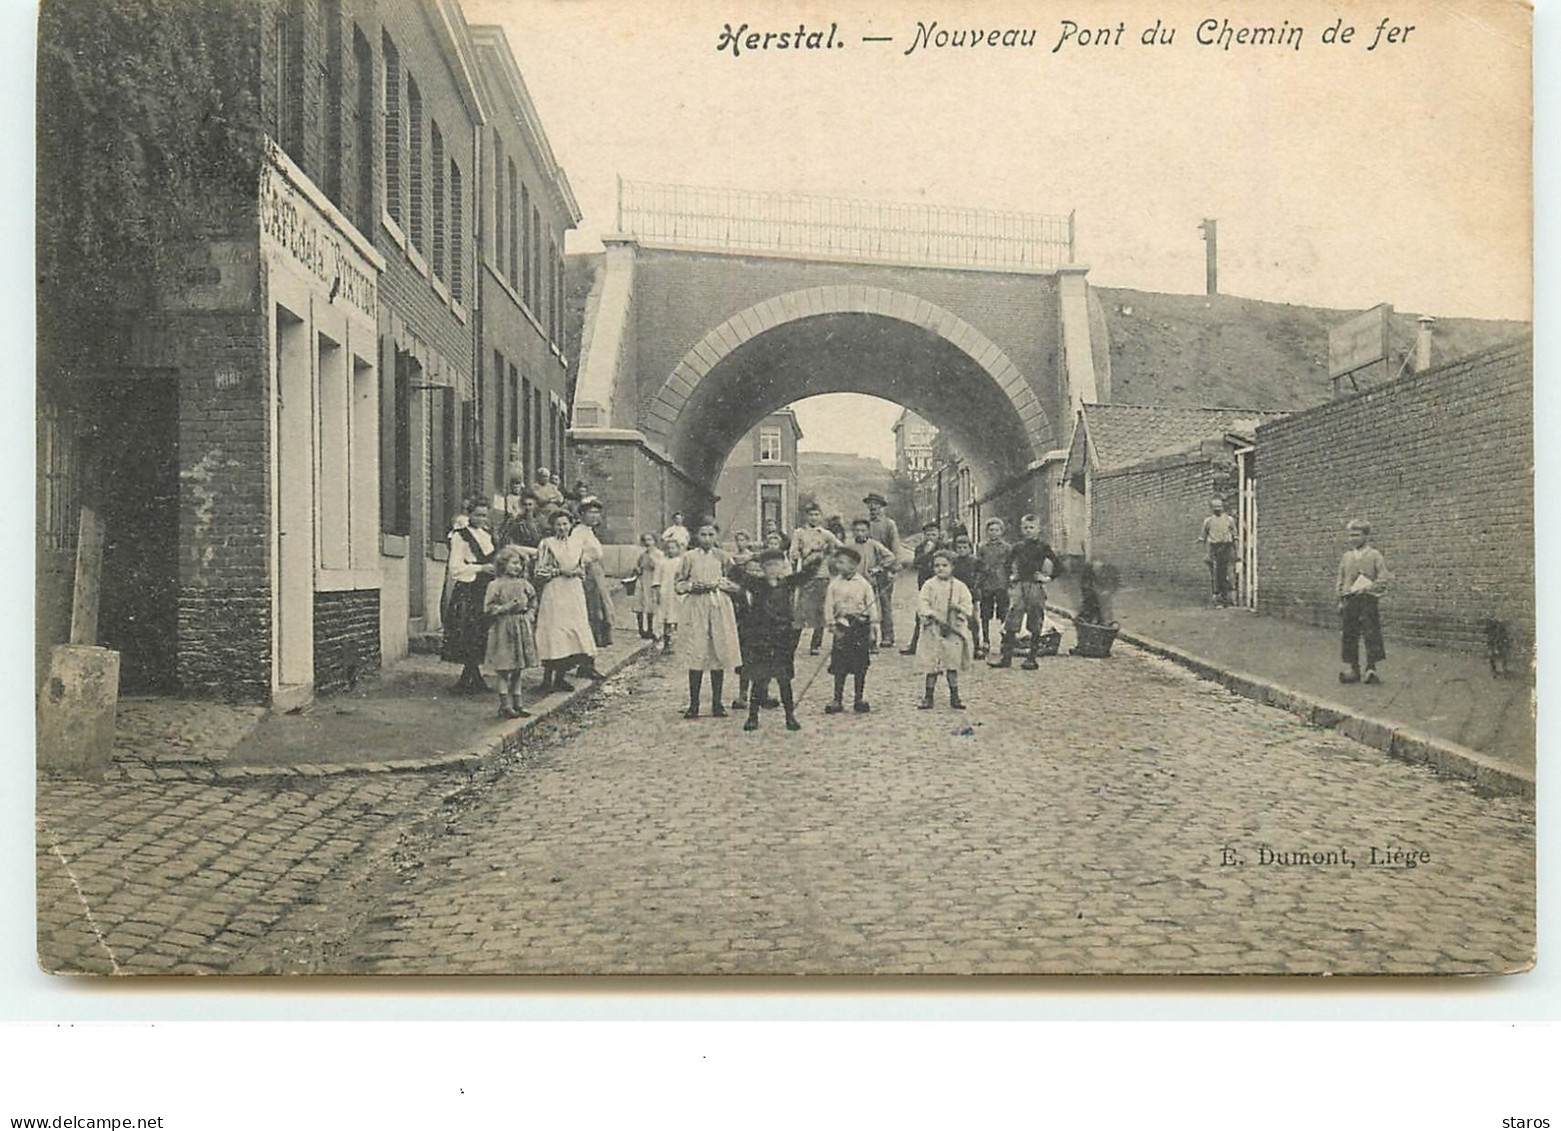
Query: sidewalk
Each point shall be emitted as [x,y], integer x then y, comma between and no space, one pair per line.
[1446,695]
[408,719]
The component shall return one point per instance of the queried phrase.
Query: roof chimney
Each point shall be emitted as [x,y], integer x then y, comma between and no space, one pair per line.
[1211,270]
[1423,344]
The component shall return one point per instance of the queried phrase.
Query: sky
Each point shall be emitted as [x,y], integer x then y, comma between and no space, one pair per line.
[1340,176]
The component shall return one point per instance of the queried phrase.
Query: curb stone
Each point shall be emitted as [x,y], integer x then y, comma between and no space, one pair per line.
[508,741]
[1400,742]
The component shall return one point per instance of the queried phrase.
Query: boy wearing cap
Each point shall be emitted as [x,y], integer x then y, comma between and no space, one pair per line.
[1363,575]
[851,609]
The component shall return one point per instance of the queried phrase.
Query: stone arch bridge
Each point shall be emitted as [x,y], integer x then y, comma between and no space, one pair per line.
[711,309]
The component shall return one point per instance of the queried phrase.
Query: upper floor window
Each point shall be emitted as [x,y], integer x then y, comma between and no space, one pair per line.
[457,237]
[500,205]
[363,64]
[417,231]
[393,170]
[335,92]
[770,445]
[290,80]
[436,157]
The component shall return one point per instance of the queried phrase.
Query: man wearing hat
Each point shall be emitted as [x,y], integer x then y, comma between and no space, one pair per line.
[598,598]
[882,529]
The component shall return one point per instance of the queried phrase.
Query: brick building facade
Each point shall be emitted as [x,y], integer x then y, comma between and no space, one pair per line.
[1441,464]
[526,208]
[278,428]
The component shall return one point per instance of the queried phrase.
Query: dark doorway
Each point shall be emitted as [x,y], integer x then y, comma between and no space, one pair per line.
[134,474]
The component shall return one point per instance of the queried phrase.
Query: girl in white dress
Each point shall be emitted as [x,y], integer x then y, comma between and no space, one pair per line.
[944,611]
[709,623]
[563,627]
[668,601]
[645,571]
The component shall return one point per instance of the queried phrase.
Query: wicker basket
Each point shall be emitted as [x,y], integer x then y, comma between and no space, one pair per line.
[1095,640]
[630,582]
[1048,643]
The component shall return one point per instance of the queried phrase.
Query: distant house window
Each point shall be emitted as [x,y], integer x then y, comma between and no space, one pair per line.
[416,230]
[769,445]
[393,173]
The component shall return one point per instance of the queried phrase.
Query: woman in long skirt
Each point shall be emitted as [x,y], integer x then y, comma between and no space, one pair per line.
[468,571]
[563,627]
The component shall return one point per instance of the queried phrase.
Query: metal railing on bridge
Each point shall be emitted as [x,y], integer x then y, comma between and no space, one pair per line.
[777,223]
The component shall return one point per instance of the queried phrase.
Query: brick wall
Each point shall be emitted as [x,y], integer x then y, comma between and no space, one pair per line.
[224,618]
[346,638]
[1441,463]
[1147,518]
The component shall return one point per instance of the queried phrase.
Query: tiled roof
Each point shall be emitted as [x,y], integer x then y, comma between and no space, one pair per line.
[1124,434]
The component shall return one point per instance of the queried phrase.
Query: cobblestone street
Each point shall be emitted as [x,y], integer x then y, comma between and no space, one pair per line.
[1084,818]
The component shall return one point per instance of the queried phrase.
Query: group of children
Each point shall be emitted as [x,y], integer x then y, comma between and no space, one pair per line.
[553,628]
[747,611]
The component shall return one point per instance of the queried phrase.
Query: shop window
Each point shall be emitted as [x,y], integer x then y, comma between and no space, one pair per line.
[333,491]
[396,446]
[363,433]
[512,396]
[443,470]
[500,409]
[537,450]
[528,452]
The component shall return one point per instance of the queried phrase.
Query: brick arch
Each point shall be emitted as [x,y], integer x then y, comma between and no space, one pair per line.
[672,397]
